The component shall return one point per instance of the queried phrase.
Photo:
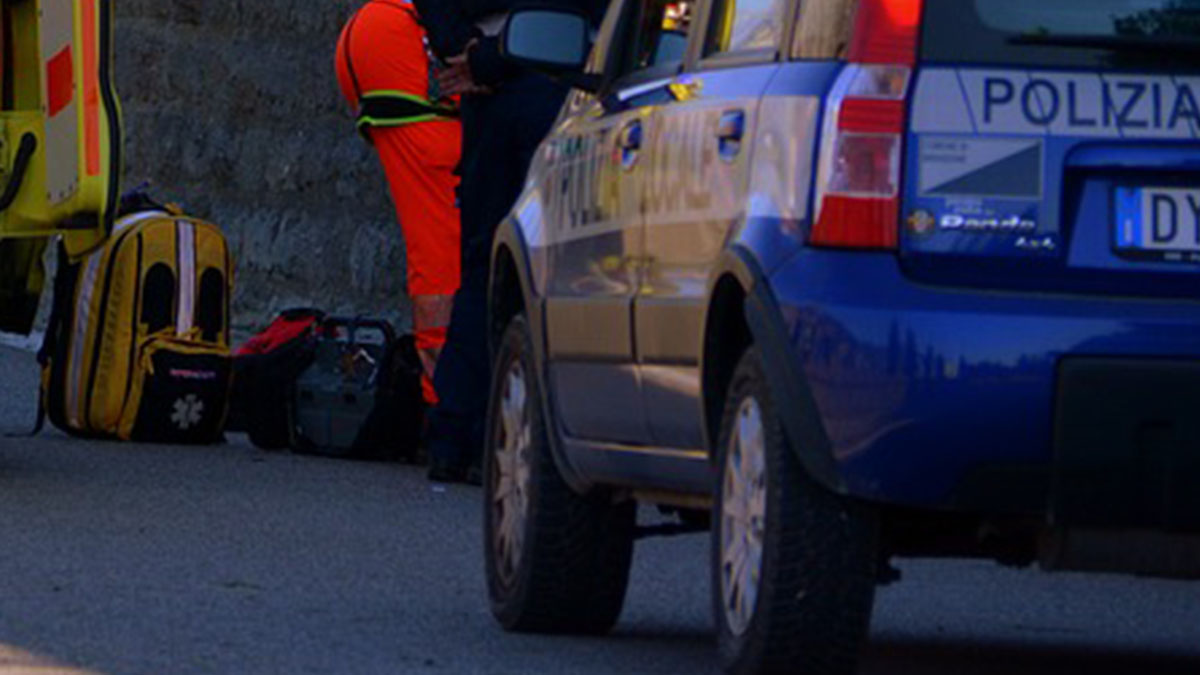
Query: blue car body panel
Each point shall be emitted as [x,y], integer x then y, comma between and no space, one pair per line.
[918,386]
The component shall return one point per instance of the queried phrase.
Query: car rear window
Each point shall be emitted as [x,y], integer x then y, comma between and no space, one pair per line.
[1102,34]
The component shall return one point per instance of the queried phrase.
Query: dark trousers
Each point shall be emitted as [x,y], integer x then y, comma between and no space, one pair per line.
[500,134]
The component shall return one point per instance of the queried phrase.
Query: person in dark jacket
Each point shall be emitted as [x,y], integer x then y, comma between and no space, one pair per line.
[506,112]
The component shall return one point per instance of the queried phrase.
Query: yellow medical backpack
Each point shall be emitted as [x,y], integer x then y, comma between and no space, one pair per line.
[138,342]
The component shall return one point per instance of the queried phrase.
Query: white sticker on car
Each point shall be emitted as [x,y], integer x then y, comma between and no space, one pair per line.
[981,167]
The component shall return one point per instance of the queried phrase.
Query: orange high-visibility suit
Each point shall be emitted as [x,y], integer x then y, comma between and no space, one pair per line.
[383,70]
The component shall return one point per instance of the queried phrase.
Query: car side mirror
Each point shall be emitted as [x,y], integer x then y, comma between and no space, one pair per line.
[552,41]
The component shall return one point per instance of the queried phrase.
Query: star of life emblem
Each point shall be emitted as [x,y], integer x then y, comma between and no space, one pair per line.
[188,412]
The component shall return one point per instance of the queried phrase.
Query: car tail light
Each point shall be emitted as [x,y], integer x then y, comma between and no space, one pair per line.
[862,142]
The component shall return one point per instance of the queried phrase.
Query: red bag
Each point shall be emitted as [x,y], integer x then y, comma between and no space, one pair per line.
[265,369]
[289,325]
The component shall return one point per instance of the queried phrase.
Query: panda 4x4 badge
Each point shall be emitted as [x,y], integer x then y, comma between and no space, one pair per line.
[188,412]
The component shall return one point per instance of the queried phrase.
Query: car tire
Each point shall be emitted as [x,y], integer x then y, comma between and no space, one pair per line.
[793,564]
[556,561]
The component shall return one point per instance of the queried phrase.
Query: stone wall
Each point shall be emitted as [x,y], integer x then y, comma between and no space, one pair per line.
[231,108]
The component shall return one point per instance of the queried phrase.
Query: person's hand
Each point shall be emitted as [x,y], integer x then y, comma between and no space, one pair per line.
[456,78]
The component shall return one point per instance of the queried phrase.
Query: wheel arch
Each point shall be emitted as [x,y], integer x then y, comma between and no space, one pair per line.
[510,291]
[742,311]
[726,336]
[506,293]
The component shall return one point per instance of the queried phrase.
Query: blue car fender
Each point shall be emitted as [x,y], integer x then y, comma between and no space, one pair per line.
[801,419]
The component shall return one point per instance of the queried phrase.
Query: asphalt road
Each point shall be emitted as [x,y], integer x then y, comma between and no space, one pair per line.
[142,559]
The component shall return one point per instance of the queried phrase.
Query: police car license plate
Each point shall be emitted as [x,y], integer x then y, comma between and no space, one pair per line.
[1158,224]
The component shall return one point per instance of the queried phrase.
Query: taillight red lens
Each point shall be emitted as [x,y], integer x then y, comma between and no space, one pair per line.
[858,182]
[885,31]
[855,222]
[871,116]
[858,195]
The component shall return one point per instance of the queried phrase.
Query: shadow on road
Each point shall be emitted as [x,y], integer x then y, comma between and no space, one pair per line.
[662,638]
[965,657]
[655,647]
[660,649]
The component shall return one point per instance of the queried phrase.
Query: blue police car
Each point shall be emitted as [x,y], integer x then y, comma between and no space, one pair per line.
[847,280]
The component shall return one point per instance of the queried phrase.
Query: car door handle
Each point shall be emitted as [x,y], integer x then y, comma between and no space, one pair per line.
[630,144]
[730,130]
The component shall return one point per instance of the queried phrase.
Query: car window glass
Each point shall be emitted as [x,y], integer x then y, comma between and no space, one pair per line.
[660,33]
[745,25]
[1102,34]
[823,29]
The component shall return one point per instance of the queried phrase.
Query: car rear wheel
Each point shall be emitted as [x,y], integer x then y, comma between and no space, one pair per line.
[557,561]
[793,564]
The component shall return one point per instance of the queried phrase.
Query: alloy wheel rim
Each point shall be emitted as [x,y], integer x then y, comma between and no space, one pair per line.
[743,517]
[511,473]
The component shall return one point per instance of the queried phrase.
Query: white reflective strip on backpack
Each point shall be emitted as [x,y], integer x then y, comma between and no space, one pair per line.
[185,317]
[82,318]
[129,221]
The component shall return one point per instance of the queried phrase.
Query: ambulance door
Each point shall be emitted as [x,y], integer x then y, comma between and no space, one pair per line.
[59,139]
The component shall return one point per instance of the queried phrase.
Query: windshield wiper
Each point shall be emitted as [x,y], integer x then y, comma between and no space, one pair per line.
[1120,43]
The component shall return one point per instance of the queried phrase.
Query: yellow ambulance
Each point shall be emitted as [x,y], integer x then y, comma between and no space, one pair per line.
[60,139]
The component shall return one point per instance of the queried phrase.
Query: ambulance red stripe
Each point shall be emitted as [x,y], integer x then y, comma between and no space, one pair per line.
[60,82]
[91,90]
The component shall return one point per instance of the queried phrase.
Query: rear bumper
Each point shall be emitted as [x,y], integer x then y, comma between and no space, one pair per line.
[949,399]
